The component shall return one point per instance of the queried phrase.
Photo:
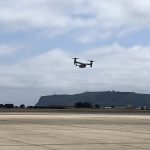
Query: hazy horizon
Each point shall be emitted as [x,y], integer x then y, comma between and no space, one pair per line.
[39,38]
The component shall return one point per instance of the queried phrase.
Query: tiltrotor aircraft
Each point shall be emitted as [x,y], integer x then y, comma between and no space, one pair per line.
[81,64]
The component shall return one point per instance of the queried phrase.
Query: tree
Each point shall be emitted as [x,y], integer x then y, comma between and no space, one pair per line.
[79,105]
[97,106]
[112,106]
[22,106]
[87,105]
[83,105]
[9,106]
[1,106]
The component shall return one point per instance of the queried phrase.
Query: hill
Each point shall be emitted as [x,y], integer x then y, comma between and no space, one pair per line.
[106,98]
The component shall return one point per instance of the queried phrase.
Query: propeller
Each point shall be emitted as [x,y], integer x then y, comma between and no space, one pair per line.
[91,61]
[75,59]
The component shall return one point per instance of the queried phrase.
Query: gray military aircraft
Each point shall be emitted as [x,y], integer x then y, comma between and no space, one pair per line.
[81,64]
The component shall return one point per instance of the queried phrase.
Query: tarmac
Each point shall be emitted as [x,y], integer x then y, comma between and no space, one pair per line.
[72,131]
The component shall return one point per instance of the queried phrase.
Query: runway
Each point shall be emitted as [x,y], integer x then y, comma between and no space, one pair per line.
[70,131]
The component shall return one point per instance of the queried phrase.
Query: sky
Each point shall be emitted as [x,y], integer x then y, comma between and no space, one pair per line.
[39,38]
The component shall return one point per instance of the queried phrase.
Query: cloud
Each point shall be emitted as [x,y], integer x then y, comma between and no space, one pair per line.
[37,70]
[115,67]
[6,49]
[85,20]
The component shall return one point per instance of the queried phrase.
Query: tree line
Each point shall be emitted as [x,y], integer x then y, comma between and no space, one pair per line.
[11,106]
[76,105]
[86,105]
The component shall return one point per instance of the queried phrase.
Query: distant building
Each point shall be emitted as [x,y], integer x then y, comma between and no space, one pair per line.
[142,108]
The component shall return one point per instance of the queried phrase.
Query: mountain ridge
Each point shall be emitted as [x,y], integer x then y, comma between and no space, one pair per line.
[104,98]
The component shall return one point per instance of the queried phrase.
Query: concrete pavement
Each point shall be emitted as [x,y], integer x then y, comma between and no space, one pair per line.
[66,131]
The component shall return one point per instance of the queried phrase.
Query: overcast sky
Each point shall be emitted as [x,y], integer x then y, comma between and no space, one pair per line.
[38,38]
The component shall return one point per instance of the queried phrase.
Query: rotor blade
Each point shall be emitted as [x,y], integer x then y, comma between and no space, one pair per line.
[91,60]
[75,58]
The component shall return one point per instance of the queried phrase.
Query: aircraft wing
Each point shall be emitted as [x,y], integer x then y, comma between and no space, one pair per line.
[79,63]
